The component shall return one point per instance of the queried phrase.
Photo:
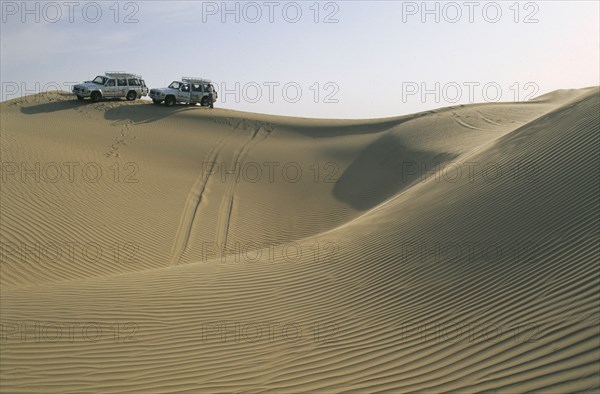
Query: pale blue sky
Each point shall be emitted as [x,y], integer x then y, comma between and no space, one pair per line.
[370,56]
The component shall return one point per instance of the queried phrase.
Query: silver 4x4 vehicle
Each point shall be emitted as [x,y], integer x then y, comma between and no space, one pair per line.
[112,85]
[189,90]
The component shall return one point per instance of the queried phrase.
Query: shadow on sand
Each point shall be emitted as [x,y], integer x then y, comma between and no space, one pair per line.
[52,106]
[383,169]
[54,102]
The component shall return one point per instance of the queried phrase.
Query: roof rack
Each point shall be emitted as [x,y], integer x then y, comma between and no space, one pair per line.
[195,80]
[121,74]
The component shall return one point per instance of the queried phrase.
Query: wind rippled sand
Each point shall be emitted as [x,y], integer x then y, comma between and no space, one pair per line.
[152,249]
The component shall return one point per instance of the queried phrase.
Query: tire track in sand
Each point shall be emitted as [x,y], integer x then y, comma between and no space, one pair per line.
[190,209]
[192,204]
[259,132]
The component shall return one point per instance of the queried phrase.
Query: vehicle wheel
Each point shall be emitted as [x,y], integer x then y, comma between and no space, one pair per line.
[156,101]
[131,95]
[95,96]
[170,101]
[204,102]
[80,98]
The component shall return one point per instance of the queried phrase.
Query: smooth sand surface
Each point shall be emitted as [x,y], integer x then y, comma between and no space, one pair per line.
[454,250]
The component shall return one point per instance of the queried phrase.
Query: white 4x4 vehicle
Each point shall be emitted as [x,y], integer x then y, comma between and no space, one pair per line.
[189,91]
[112,85]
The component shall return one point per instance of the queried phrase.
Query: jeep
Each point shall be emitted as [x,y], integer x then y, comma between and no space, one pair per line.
[189,90]
[112,85]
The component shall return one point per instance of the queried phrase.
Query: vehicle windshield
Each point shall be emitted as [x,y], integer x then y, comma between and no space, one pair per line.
[100,80]
[175,85]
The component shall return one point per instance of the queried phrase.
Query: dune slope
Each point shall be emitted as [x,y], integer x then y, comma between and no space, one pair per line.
[454,250]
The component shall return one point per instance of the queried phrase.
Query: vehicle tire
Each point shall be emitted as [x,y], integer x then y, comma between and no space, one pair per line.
[156,101]
[131,95]
[95,96]
[204,102]
[80,98]
[170,101]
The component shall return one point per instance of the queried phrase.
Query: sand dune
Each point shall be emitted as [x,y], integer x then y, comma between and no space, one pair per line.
[453,250]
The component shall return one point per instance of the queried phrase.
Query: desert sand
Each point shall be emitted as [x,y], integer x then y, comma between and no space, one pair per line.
[454,250]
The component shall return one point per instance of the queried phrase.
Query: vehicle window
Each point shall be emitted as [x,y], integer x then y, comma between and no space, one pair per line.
[122,82]
[185,87]
[99,79]
[143,82]
[196,87]
[175,85]
[133,82]
[111,82]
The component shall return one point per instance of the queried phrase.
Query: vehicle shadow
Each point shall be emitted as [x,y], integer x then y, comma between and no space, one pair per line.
[63,102]
[48,102]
